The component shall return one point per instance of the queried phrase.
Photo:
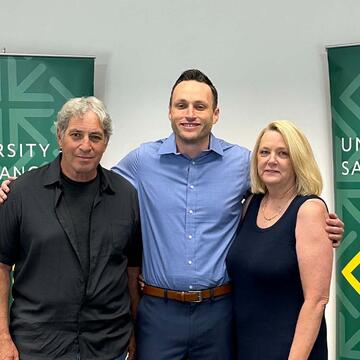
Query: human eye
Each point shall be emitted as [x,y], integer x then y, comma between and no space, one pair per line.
[283,154]
[96,137]
[263,152]
[76,135]
[180,105]
[200,106]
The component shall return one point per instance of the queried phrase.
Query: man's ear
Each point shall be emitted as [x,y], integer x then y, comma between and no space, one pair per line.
[59,138]
[169,113]
[216,115]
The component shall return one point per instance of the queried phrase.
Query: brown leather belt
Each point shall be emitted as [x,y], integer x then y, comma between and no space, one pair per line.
[196,296]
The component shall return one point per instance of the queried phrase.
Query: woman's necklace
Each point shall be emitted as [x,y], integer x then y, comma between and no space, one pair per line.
[277,213]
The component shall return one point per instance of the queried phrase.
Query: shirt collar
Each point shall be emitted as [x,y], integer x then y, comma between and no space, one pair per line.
[53,176]
[169,146]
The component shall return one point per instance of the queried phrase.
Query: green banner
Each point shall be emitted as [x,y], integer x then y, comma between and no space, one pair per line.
[32,90]
[344,71]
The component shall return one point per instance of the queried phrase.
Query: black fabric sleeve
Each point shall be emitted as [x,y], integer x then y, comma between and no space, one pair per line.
[134,248]
[10,214]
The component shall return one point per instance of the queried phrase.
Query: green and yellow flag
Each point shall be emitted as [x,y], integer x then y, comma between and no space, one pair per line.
[344,71]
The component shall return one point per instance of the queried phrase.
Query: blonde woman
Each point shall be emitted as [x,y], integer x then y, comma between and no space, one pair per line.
[280,263]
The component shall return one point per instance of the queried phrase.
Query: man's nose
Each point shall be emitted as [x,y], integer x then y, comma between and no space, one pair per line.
[190,113]
[85,144]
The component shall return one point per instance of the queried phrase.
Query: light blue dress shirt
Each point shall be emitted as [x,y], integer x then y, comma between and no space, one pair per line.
[189,209]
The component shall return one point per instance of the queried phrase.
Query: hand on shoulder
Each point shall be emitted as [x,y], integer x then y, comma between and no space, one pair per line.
[5,189]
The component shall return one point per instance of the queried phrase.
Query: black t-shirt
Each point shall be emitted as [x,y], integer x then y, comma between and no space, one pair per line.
[79,198]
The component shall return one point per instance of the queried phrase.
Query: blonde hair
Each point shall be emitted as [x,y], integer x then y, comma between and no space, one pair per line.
[307,174]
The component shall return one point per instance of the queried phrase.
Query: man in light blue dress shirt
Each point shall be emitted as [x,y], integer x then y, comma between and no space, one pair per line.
[190,188]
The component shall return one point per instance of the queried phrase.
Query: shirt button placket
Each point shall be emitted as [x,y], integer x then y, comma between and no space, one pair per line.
[190,223]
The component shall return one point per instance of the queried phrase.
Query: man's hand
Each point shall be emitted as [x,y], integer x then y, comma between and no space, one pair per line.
[132,348]
[335,229]
[4,189]
[141,282]
[8,349]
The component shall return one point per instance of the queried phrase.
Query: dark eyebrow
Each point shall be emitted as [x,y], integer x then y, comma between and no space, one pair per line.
[96,132]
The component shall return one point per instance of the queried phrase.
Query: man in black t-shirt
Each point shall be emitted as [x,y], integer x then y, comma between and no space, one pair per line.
[72,230]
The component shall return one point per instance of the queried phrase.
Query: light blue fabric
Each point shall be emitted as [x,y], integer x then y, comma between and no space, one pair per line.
[189,209]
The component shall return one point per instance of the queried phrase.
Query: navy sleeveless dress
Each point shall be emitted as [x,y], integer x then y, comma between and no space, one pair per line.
[267,295]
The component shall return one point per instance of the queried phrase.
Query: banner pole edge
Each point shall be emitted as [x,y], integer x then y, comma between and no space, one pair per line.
[341,45]
[48,55]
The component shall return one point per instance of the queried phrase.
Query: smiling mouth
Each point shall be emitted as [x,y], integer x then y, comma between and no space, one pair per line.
[189,125]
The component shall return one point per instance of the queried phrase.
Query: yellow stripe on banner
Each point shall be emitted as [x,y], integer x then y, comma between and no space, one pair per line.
[347,272]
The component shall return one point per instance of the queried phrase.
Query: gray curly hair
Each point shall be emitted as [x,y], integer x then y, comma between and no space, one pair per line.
[79,107]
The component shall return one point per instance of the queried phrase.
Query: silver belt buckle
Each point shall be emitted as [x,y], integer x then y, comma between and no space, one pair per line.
[199,294]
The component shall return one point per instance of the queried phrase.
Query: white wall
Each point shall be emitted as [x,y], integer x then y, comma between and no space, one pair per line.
[266,58]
